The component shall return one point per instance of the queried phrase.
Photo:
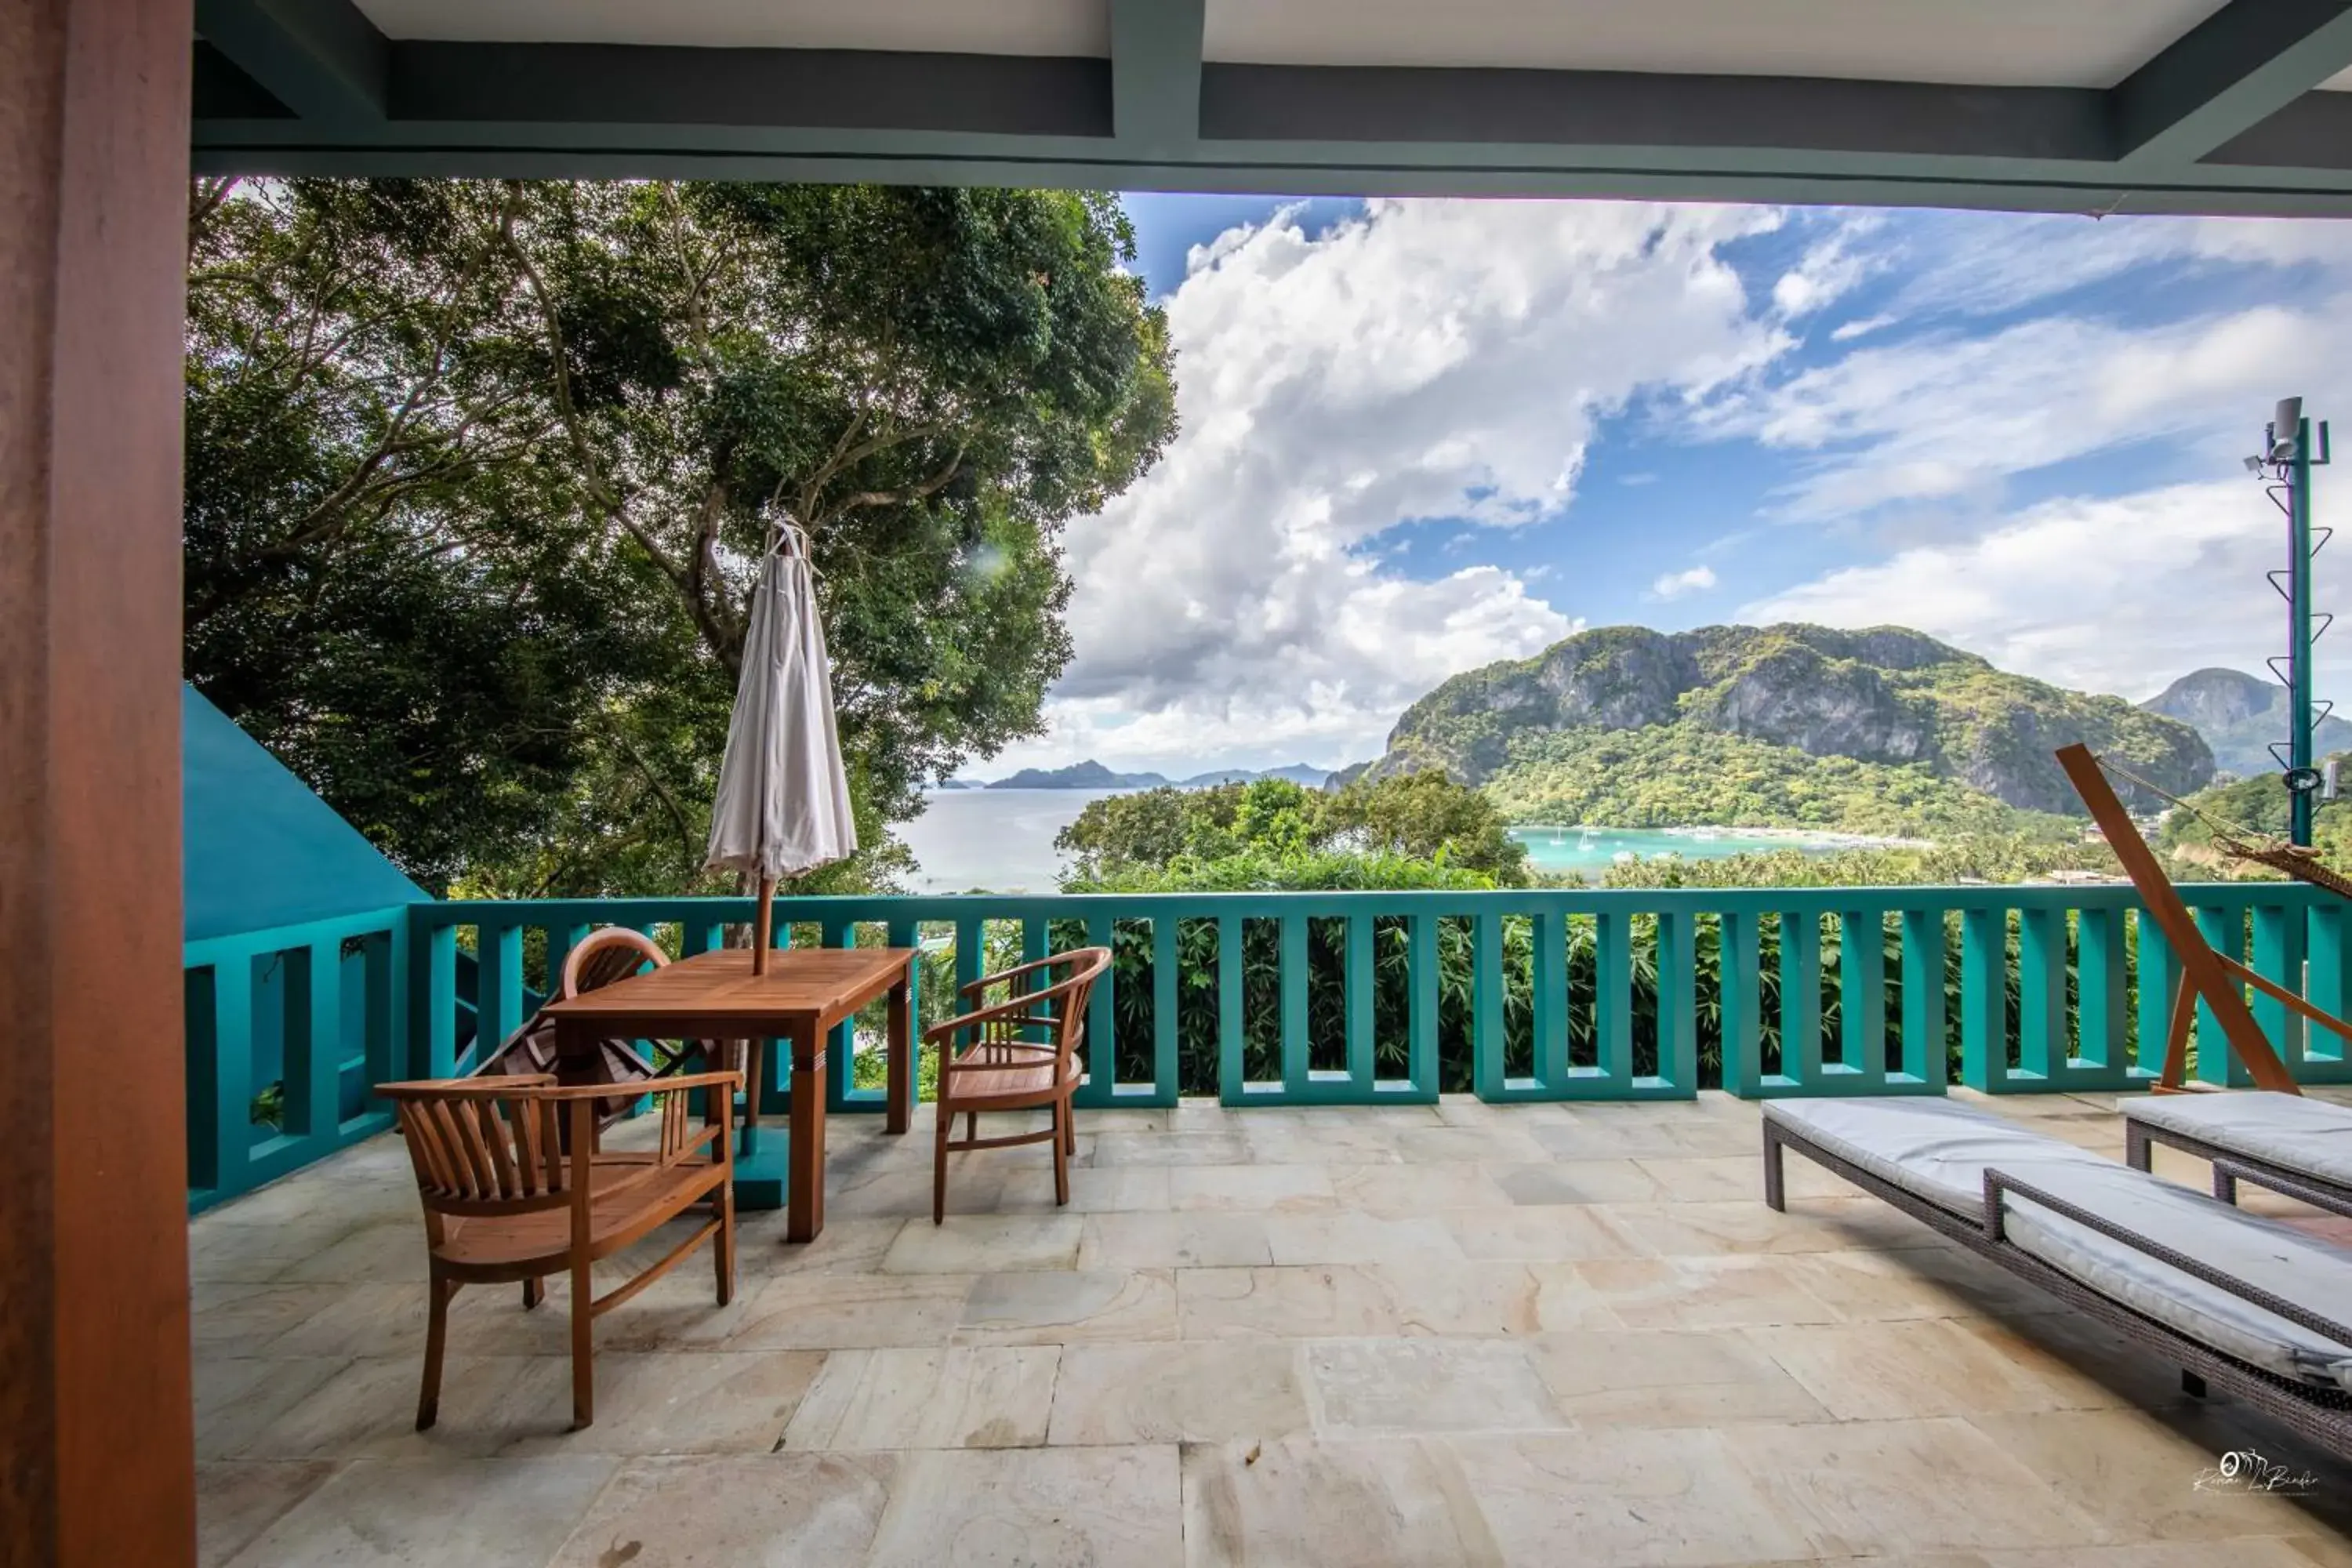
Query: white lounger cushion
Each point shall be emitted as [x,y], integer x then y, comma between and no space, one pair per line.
[2288,1130]
[1931,1147]
[1939,1149]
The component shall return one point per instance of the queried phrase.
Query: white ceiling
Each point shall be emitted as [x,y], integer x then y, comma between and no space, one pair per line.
[2022,43]
[966,27]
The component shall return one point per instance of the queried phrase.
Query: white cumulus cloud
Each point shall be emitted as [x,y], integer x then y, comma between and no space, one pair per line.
[2119,593]
[1426,359]
[1675,584]
[1949,415]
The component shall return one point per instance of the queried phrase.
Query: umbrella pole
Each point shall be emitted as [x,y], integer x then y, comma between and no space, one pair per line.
[763,925]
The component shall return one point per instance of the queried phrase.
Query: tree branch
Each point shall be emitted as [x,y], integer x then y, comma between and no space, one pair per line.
[600,488]
[204,199]
[913,492]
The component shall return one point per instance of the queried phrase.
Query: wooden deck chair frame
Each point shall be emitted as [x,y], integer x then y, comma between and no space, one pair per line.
[989,1061]
[2206,976]
[511,1191]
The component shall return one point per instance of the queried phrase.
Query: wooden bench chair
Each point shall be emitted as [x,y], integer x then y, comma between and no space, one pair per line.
[603,957]
[514,1191]
[991,1060]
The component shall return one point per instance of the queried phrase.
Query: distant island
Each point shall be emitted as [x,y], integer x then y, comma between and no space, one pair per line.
[1092,774]
[1088,774]
[1883,731]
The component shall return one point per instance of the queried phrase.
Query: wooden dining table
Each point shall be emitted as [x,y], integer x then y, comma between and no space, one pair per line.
[804,994]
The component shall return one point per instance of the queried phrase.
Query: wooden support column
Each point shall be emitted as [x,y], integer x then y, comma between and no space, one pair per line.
[95,1448]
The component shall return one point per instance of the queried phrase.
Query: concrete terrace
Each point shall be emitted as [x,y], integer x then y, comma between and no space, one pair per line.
[1463,1334]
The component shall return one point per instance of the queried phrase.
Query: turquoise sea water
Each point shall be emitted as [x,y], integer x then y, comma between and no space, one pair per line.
[1590,850]
[1002,839]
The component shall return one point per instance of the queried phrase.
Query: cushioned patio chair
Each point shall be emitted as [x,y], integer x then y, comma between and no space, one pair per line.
[2286,1143]
[2246,1305]
[505,1202]
[1019,1054]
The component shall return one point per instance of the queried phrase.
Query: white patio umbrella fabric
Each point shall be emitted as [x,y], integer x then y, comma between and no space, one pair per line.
[783,806]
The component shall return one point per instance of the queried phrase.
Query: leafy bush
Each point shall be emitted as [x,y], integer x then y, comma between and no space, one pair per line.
[1271,833]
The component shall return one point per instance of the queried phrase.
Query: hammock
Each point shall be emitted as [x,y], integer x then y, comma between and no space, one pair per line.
[2241,843]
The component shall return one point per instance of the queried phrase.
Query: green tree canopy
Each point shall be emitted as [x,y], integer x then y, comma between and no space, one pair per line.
[480,472]
[1422,830]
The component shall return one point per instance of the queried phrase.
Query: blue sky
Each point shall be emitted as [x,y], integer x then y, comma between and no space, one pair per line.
[1421,435]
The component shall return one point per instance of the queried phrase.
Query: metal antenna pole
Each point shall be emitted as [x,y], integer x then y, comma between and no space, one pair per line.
[2298,633]
[2289,454]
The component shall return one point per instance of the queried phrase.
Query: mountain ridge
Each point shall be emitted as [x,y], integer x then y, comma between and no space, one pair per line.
[2240,715]
[1826,724]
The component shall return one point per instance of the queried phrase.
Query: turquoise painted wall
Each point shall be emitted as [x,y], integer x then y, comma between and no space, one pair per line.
[259,848]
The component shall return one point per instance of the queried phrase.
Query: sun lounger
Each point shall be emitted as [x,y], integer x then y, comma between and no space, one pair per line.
[2243,1304]
[2286,1143]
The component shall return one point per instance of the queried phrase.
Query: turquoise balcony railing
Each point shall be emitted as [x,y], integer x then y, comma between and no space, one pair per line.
[287,1031]
[1356,998]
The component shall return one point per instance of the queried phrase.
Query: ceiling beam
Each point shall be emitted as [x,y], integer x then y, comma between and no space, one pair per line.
[2244,64]
[1742,115]
[1155,68]
[591,111]
[2314,132]
[850,90]
[323,59]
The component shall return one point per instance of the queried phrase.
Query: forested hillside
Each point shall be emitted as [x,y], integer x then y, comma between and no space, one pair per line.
[1882,731]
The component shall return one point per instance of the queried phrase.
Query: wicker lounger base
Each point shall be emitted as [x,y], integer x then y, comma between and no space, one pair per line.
[2322,1415]
[2231,1167]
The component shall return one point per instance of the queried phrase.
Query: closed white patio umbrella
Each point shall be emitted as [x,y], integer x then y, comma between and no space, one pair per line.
[783,800]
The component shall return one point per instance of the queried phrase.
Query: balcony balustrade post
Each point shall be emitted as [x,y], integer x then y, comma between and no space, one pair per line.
[1550,1023]
[2327,978]
[2102,1012]
[1740,996]
[1926,953]
[2224,929]
[1165,956]
[1860,1066]
[1487,1042]
[1801,999]
[2043,1043]
[1677,962]
[1357,978]
[1422,1007]
[2278,957]
[1233,1063]
[1984,999]
[1613,1006]
[2157,970]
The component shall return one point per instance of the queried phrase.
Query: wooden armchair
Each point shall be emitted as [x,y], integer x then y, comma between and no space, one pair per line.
[987,1064]
[602,958]
[513,1191]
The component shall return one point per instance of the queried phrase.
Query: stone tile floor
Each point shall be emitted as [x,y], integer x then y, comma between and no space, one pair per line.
[1455,1334]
